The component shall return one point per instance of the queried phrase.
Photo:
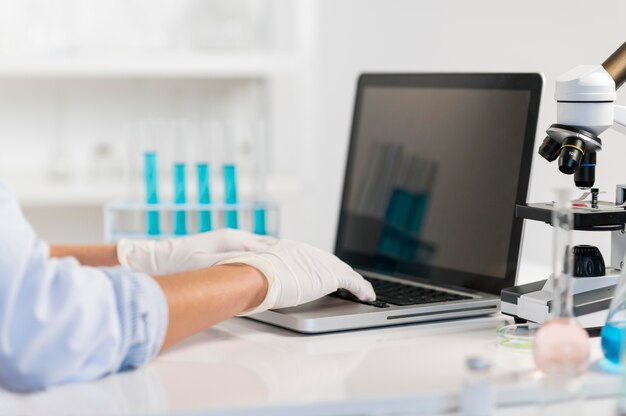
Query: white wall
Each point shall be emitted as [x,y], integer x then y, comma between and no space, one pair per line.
[459,35]
[342,38]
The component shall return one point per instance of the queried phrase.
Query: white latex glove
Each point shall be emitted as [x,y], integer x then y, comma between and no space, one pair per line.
[298,273]
[195,252]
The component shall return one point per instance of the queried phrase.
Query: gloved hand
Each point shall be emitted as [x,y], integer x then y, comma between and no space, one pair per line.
[298,273]
[195,252]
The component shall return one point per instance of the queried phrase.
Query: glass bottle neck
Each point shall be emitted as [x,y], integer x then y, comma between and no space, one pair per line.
[562,264]
[562,297]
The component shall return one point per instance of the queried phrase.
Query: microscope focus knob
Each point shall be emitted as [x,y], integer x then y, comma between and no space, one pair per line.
[588,261]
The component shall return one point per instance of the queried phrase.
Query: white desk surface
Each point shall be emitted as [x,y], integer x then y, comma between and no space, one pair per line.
[245,367]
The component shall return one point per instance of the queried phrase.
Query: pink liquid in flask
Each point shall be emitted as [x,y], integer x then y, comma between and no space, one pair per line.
[561,345]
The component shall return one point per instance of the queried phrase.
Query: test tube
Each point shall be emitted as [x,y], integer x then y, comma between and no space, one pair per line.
[259,220]
[152,194]
[230,194]
[260,177]
[229,135]
[205,134]
[204,195]
[180,197]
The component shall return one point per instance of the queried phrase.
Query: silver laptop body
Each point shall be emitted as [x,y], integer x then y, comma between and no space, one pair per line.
[436,165]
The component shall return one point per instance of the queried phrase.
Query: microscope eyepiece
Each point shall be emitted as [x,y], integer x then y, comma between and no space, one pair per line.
[550,149]
[571,153]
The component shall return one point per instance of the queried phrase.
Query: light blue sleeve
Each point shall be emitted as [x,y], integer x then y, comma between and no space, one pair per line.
[61,322]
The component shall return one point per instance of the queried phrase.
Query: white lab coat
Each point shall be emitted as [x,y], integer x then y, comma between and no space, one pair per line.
[62,322]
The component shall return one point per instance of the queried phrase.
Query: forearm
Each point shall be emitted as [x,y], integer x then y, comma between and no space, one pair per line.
[200,299]
[196,300]
[97,255]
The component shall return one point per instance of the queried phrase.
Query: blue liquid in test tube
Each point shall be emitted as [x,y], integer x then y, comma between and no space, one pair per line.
[180,217]
[204,196]
[230,194]
[152,194]
[259,221]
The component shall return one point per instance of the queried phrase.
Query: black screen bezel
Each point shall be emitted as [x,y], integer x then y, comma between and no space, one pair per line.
[531,82]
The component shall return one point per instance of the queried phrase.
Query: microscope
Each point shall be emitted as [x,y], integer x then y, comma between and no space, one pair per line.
[585,99]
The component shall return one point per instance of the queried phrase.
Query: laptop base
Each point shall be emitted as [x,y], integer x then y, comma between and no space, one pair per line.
[330,314]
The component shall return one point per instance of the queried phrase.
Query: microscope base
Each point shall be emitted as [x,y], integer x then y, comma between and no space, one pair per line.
[532,302]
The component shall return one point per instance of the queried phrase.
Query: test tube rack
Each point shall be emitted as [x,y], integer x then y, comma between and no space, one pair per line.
[127,219]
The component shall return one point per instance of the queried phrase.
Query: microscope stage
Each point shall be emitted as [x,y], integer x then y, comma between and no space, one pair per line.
[607,217]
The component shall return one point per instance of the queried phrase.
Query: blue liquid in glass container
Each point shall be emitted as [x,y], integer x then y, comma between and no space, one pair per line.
[612,340]
[152,194]
[230,194]
[259,221]
[399,208]
[204,196]
[180,217]
[418,212]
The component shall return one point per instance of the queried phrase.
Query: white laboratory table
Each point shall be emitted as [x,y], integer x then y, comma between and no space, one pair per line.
[245,367]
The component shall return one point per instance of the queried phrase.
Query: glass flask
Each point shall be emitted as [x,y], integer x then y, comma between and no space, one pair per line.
[561,344]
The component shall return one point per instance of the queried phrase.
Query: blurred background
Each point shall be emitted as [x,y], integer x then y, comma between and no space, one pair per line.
[77,75]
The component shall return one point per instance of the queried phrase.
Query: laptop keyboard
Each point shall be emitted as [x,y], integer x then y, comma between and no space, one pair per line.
[400,294]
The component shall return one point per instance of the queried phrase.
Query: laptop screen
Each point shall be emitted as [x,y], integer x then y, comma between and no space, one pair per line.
[436,166]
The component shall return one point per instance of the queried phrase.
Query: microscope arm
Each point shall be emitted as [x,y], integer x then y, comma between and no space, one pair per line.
[615,65]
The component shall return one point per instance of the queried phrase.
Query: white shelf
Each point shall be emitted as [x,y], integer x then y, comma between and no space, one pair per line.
[227,65]
[38,192]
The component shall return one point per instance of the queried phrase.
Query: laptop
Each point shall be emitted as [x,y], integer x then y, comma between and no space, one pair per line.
[436,165]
